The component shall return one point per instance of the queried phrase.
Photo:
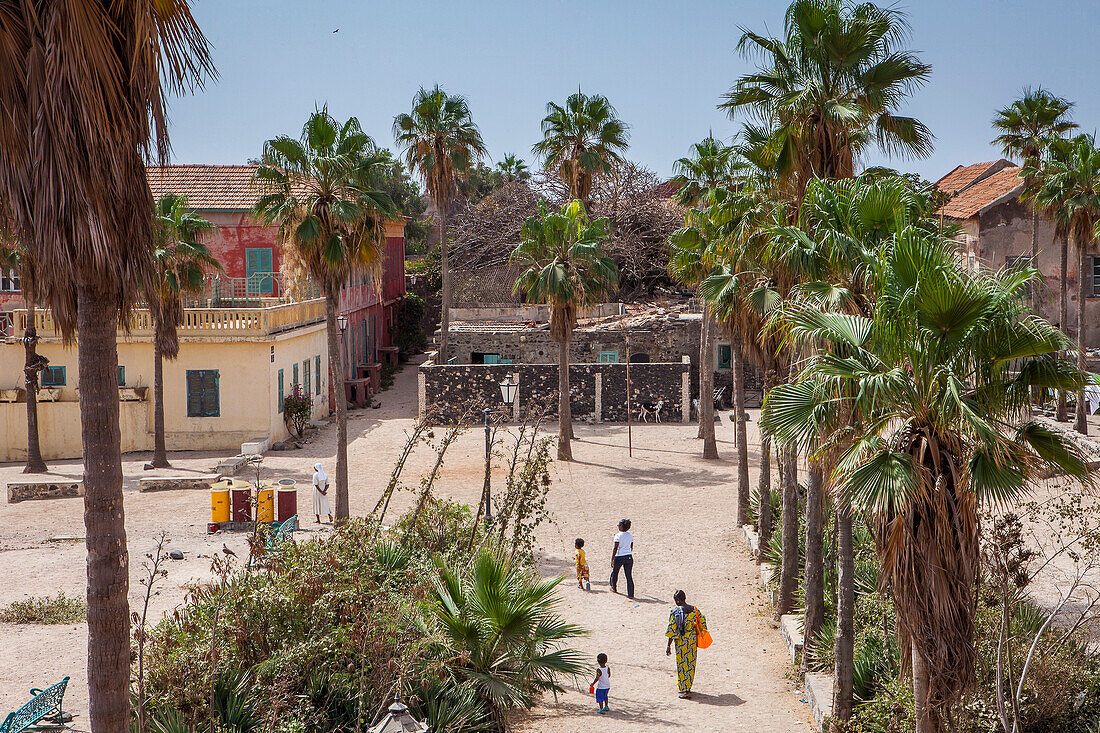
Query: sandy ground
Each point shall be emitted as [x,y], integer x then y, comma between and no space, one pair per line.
[682,508]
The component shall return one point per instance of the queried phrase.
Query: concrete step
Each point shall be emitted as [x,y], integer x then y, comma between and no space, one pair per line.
[790,625]
[819,694]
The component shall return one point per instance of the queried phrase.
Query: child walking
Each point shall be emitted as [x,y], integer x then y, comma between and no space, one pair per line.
[582,565]
[601,684]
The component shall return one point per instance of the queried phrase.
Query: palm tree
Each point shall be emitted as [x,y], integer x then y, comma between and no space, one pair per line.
[79,199]
[498,628]
[180,260]
[512,168]
[1071,187]
[566,269]
[16,259]
[709,166]
[943,427]
[831,87]
[318,190]
[440,142]
[1026,126]
[581,141]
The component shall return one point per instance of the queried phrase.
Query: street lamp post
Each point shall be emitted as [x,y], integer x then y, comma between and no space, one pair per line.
[342,324]
[508,389]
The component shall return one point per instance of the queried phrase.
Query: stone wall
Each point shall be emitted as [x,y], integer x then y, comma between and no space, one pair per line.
[597,391]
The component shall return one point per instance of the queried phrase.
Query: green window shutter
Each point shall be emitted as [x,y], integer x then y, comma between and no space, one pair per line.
[211,400]
[53,376]
[306,381]
[725,356]
[609,357]
[281,387]
[121,376]
[317,369]
[294,382]
[194,393]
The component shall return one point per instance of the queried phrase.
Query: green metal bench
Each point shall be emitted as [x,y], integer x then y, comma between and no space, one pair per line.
[284,533]
[44,705]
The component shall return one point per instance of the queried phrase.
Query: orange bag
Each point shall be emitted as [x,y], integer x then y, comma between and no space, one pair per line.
[702,636]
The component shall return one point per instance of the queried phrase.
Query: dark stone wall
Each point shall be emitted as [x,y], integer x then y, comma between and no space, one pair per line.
[450,391]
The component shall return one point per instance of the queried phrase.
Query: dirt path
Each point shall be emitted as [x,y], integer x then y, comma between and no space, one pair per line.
[682,508]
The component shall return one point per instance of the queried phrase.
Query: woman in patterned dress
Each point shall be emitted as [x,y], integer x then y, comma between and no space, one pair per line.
[682,630]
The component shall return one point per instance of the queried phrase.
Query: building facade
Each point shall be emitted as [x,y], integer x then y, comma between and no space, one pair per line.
[996,233]
[235,367]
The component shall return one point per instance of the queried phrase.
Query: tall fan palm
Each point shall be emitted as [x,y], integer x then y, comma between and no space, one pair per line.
[943,426]
[95,74]
[1026,127]
[180,261]
[318,190]
[566,269]
[832,87]
[441,143]
[512,168]
[1071,188]
[499,629]
[17,259]
[581,141]
[711,164]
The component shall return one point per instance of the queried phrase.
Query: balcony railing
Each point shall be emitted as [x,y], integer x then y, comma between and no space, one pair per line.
[257,290]
[260,321]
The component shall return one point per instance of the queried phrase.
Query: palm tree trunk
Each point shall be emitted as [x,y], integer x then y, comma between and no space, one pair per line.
[815,560]
[706,389]
[1037,286]
[788,572]
[160,452]
[843,679]
[1063,311]
[336,368]
[35,464]
[445,311]
[105,525]
[1083,278]
[740,430]
[565,413]
[765,519]
[927,721]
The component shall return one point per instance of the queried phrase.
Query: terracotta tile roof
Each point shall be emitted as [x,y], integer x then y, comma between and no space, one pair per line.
[207,187]
[978,195]
[962,176]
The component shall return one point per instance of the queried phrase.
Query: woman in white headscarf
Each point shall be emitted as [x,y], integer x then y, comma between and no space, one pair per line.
[320,494]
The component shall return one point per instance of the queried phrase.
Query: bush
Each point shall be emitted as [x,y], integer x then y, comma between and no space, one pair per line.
[59,609]
[325,636]
[297,408]
[407,330]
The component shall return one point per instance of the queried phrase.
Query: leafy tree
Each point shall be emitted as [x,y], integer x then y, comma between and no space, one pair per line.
[318,190]
[440,142]
[408,329]
[179,261]
[480,181]
[498,630]
[1025,128]
[512,168]
[831,87]
[96,75]
[581,141]
[943,427]
[566,269]
[1071,188]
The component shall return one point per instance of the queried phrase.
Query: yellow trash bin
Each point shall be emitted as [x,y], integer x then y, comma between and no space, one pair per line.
[219,503]
[265,504]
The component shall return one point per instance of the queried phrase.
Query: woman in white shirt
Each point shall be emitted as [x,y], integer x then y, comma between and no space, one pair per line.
[320,494]
[622,556]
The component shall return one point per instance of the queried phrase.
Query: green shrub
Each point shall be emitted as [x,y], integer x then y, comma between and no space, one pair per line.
[297,408]
[59,609]
[407,330]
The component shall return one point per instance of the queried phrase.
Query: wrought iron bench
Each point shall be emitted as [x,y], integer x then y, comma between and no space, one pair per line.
[284,533]
[44,705]
[719,394]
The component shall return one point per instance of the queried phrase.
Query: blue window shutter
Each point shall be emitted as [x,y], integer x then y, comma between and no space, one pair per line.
[317,364]
[281,390]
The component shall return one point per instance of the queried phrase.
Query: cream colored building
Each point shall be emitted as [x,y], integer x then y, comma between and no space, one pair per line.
[225,389]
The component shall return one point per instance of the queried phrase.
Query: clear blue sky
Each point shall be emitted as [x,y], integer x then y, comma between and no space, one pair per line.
[662,64]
